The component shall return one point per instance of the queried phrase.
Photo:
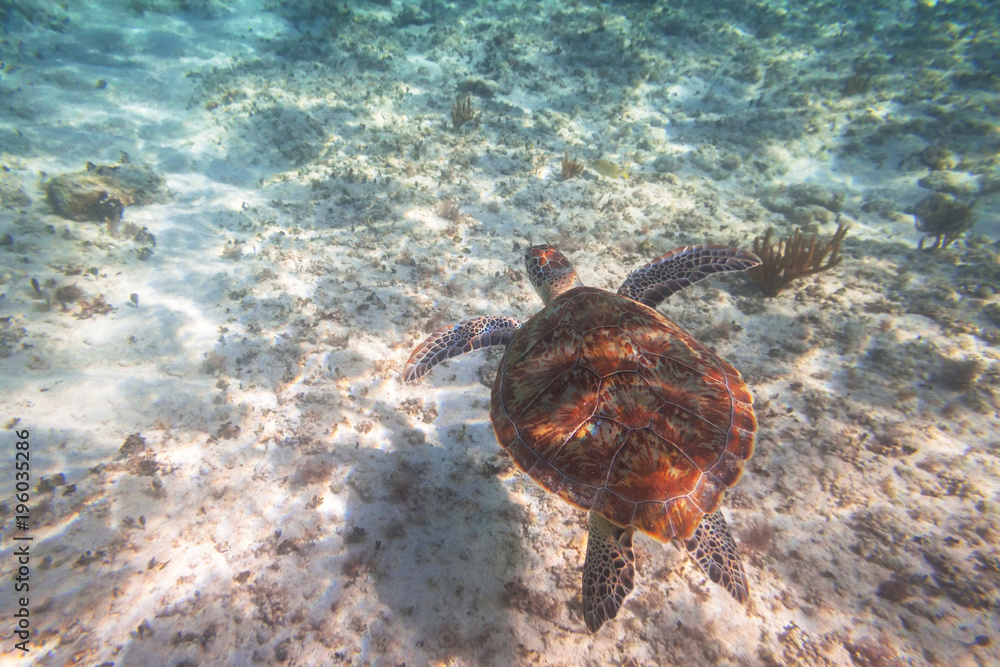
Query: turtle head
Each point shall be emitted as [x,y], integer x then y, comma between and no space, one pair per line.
[550,272]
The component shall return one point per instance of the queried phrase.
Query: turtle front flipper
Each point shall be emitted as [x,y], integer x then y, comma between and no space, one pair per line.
[455,339]
[682,267]
[712,546]
[609,571]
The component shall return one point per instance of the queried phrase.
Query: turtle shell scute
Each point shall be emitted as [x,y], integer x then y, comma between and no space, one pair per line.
[611,406]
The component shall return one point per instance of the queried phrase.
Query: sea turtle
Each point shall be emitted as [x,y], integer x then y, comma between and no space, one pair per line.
[617,410]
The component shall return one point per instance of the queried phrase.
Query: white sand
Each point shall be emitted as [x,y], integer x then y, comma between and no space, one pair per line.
[294,503]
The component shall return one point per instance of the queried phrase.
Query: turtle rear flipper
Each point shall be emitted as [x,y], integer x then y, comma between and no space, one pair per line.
[455,339]
[712,546]
[609,571]
[651,283]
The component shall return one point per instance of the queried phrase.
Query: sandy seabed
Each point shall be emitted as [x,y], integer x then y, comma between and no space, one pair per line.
[226,468]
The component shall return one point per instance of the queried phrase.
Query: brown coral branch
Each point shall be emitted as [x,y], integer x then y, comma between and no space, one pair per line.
[461,112]
[571,167]
[787,259]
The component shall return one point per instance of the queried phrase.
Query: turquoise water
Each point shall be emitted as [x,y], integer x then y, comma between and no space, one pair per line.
[225,226]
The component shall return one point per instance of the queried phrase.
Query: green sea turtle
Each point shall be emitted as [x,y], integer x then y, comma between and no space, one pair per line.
[617,410]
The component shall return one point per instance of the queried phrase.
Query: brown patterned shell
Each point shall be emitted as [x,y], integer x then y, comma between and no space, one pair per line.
[613,407]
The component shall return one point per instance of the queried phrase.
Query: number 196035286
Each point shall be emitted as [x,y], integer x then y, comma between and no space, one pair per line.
[22,475]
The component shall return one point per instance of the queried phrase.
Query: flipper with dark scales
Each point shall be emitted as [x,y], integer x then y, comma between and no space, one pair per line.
[609,571]
[455,339]
[712,546]
[653,282]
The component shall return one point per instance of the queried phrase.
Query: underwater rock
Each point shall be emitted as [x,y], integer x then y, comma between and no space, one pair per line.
[668,163]
[806,194]
[411,15]
[937,159]
[485,89]
[803,203]
[102,192]
[718,164]
[882,203]
[952,182]
[807,215]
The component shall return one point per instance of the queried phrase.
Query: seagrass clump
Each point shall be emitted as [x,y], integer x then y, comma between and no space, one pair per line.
[793,257]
